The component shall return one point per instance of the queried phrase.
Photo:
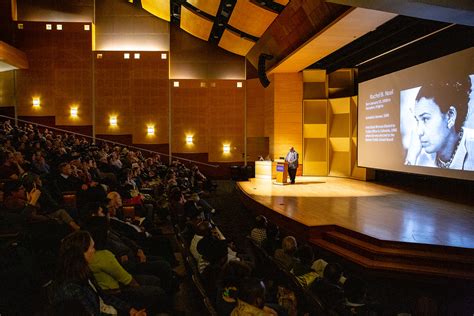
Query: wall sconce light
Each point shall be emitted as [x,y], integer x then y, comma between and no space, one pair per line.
[49,27]
[164,56]
[87,27]
[74,111]
[176,84]
[239,84]
[189,139]
[113,121]
[36,102]
[126,56]
[136,55]
[59,27]
[226,149]
[150,130]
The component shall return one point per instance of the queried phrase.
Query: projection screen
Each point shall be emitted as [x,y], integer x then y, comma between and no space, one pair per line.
[419,119]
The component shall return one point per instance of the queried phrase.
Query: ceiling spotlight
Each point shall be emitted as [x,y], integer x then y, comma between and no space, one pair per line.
[228,5]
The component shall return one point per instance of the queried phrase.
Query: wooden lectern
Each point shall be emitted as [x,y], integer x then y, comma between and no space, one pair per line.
[281,171]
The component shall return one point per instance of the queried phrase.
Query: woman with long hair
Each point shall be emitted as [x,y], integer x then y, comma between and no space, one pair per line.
[74,280]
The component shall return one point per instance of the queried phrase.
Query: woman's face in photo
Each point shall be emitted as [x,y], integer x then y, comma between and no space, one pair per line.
[432,125]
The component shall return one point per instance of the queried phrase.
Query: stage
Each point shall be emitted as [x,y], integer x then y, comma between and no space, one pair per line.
[373,210]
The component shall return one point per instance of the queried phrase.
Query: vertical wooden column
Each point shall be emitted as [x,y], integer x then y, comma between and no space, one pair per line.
[288,113]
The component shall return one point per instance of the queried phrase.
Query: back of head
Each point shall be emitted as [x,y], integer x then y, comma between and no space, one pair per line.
[252,291]
[72,265]
[289,245]
[306,254]
[332,272]
[98,228]
[212,250]
[273,231]
[203,228]
[355,290]
[260,221]
[234,271]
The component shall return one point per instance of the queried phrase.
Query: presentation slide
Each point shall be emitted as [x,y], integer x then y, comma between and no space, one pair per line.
[420,119]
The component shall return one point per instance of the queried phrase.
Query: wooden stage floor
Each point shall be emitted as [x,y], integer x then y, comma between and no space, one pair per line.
[378,211]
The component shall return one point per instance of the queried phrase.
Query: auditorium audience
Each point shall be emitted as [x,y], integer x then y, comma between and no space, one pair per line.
[133,261]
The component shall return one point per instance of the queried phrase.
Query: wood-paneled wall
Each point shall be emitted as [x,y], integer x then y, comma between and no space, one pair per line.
[288,113]
[212,112]
[135,91]
[257,141]
[59,73]
[7,89]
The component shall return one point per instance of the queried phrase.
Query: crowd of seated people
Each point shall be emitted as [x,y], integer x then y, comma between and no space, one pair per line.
[99,206]
[326,281]
[110,257]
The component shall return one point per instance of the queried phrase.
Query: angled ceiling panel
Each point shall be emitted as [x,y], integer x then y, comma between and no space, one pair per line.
[235,43]
[12,58]
[208,6]
[195,24]
[250,18]
[159,8]
[353,24]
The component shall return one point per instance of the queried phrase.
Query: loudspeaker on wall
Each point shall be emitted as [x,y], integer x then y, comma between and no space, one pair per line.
[262,69]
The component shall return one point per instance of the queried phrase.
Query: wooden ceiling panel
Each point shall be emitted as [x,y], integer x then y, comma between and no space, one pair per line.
[159,8]
[250,18]
[195,24]
[208,6]
[235,43]
[353,24]
[12,58]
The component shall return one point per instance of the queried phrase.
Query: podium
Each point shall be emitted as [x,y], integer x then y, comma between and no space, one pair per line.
[281,171]
[263,170]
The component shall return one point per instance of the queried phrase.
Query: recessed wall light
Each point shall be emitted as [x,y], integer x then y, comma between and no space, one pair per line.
[113,121]
[74,111]
[36,102]
[176,84]
[189,139]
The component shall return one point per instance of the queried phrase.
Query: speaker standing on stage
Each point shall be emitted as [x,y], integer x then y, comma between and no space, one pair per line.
[292,159]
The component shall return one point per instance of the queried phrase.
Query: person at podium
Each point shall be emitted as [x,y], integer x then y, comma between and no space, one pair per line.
[292,160]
